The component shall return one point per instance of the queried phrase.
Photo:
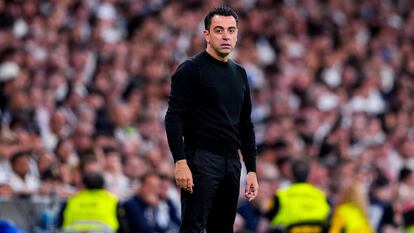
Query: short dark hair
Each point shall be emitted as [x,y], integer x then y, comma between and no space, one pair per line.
[110,150]
[93,180]
[223,11]
[18,155]
[404,173]
[300,170]
[380,181]
[144,178]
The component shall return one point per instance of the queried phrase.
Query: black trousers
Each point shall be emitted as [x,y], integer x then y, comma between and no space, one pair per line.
[212,206]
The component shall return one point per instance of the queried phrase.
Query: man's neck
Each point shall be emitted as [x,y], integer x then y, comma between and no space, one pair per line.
[212,53]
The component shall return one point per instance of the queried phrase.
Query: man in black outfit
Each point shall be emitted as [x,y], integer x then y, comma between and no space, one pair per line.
[207,122]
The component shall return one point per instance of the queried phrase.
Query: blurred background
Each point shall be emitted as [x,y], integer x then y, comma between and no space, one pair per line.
[84,86]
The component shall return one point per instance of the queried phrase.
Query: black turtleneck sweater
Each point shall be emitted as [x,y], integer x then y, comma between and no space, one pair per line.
[209,108]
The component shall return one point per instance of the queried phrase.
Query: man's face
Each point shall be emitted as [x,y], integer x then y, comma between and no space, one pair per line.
[222,35]
[21,166]
[150,190]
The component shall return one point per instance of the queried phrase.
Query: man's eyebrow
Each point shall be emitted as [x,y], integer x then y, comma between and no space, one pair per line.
[221,27]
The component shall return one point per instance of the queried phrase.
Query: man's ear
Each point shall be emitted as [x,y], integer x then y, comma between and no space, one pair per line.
[206,33]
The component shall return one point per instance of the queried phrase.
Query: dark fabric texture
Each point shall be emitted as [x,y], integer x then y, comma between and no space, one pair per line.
[210,107]
[141,217]
[212,205]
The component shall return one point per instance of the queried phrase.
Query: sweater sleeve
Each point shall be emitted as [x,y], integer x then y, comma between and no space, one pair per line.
[178,104]
[246,129]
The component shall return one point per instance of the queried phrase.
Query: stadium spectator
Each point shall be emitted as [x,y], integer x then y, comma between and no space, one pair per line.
[381,211]
[351,211]
[142,211]
[22,180]
[116,182]
[299,203]
[92,204]
[405,203]
[169,210]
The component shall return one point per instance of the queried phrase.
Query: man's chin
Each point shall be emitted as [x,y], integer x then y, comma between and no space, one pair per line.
[224,52]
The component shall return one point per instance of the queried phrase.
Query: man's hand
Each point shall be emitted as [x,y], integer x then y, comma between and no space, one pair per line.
[252,186]
[183,176]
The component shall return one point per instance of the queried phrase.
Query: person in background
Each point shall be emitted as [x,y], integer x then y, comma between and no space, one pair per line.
[168,216]
[66,153]
[351,212]
[284,168]
[406,188]
[21,181]
[92,204]
[299,203]
[381,211]
[141,210]
[115,180]
[405,198]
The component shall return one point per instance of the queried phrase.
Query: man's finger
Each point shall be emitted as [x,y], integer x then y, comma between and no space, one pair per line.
[251,192]
[252,195]
[247,188]
[181,183]
[189,184]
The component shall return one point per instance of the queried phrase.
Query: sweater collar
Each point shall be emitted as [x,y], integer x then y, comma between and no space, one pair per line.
[214,60]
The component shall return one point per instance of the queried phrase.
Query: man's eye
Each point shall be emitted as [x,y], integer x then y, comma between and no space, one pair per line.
[218,30]
[232,31]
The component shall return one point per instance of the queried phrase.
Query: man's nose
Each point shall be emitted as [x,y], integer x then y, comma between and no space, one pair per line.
[225,35]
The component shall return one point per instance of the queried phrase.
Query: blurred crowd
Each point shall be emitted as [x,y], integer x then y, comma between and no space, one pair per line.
[84,87]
